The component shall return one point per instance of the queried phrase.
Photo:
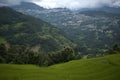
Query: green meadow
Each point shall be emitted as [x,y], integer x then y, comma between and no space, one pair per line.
[103,68]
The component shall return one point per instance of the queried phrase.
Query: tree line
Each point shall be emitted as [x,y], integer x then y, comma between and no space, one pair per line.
[19,54]
[16,54]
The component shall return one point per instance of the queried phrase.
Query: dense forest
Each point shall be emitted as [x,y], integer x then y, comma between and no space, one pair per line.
[23,55]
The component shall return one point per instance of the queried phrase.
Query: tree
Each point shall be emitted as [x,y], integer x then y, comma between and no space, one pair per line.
[115,49]
[62,56]
[3,53]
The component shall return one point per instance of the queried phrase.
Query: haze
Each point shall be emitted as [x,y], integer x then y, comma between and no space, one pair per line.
[71,4]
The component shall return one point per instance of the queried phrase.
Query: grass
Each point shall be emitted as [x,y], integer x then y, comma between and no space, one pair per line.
[103,68]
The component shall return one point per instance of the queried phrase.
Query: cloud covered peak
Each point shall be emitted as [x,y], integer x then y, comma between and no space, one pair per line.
[12,2]
[71,4]
[77,4]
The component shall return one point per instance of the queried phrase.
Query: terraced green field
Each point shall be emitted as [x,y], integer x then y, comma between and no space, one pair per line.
[104,68]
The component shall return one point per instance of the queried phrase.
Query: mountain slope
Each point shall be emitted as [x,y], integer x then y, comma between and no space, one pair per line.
[93,31]
[105,9]
[104,68]
[19,29]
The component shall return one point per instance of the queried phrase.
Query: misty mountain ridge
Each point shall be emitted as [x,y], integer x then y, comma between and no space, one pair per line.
[27,5]
[33,6]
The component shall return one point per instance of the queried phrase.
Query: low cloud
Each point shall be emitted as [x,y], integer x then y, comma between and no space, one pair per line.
[12,2]
[77,4]
[71,4]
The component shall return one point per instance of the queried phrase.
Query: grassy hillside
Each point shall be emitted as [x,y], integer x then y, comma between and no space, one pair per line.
[104,68]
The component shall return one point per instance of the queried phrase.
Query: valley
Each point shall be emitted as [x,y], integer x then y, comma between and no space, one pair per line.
[68,42]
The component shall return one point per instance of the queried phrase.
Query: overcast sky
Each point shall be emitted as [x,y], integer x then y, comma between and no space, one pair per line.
[71,4]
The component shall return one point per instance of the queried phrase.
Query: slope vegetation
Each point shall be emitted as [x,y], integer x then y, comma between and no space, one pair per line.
[104,68]
[19,29]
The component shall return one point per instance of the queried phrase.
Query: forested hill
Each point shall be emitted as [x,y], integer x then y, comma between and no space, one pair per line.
[19,29]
